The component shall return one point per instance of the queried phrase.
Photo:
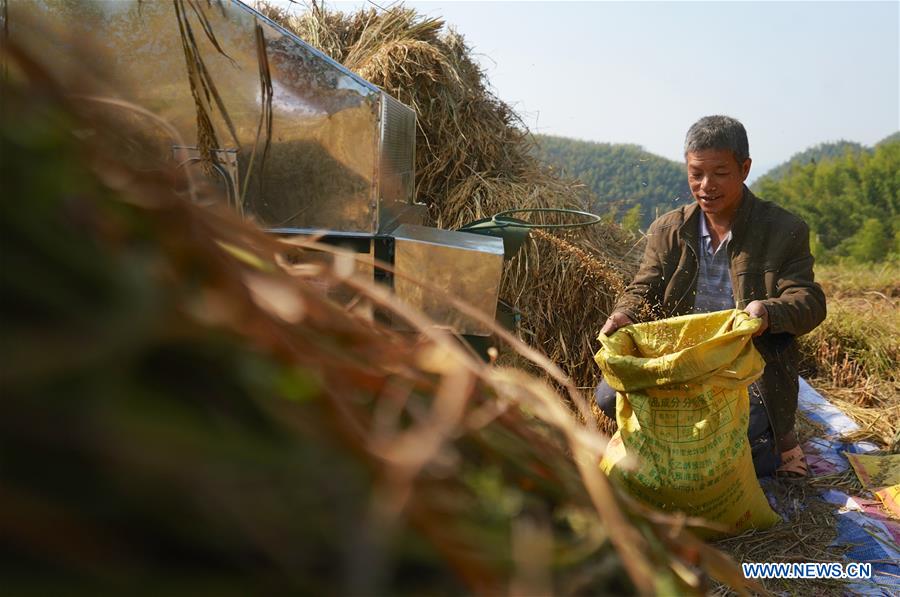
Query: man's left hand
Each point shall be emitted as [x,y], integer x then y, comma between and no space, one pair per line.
[757,309]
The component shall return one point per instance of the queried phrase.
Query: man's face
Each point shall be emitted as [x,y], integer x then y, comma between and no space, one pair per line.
[717,180]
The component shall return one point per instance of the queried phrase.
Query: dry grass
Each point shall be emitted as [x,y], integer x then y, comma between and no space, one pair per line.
[857,345]
[807,429]
[473,160]
[846,481]
[803,537]
[852,358]
[855,280]
[604,423]
[876,411]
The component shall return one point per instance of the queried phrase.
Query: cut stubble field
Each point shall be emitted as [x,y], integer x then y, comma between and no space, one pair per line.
[852,358]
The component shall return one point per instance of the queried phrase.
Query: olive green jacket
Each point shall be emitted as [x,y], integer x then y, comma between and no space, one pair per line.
[770,261]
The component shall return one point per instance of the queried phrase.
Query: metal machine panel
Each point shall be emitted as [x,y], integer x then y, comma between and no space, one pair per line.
[338,142]
[467,266]
[396,169]
[359,249]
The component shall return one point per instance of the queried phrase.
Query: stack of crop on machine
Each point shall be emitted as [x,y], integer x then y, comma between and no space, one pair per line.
[474,159]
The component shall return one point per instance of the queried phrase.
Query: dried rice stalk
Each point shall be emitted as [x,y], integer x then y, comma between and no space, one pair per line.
[203,88]
[265,115]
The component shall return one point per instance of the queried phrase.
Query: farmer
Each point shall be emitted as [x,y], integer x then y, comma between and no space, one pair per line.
[730,249]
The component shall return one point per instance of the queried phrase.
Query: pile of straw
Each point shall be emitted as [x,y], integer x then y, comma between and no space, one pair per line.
[473,160]
[184,413]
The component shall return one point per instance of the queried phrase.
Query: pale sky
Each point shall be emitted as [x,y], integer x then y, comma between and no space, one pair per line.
[795,73]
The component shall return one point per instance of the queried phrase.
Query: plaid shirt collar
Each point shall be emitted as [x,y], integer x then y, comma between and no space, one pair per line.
[706,238]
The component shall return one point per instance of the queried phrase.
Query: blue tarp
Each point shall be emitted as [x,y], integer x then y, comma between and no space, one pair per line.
[862,525]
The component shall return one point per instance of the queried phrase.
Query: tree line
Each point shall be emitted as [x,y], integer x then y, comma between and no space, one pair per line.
[816,153]
[850,202]
[631,185]
[846,192]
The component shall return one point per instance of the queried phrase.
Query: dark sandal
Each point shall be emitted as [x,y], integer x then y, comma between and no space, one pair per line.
[793,464]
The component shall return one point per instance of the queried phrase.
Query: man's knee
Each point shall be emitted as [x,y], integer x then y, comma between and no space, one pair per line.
[606,399]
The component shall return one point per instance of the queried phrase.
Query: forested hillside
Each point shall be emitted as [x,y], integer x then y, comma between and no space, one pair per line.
[631,185]
[848,193]
[851,202]
[816,153]
[889,139]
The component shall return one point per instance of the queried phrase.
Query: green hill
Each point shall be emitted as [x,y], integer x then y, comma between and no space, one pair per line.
[889,139]
[822,151]
[848,193]
[851,202]
[623,178]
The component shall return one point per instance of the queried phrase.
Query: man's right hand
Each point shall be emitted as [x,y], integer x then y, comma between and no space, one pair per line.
[615,321]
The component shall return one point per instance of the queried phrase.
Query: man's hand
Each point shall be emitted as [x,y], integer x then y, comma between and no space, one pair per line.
[615,321]
[757,309]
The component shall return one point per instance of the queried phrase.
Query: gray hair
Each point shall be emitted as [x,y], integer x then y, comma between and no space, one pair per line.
[718,132]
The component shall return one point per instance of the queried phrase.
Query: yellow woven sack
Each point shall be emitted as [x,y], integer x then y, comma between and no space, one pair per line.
[683,410]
